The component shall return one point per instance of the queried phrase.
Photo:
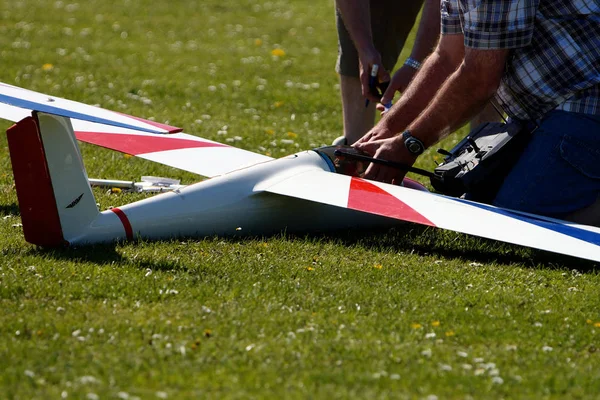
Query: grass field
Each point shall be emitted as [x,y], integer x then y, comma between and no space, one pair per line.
[407,313]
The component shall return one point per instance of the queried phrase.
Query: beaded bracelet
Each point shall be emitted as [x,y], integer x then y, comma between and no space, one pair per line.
[412,63]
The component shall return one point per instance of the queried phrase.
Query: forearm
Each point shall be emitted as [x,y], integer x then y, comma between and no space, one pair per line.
[357,20]
[428,32]
[461,97]
[423,88]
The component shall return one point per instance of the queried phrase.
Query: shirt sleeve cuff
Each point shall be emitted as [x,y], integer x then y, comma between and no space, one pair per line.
[498,40]
[451,26]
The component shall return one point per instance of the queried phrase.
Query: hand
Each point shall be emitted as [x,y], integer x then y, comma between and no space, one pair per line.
[390,149]
[378,132]
[366,62]
[399,83]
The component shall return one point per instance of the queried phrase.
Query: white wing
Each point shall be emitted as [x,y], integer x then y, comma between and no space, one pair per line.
[443,212]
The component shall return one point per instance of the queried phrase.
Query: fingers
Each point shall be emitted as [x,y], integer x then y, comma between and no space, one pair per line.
[385,107]
[399,82]
[383,75]
[383,174]
[364,82]
[387,97]
[366,145]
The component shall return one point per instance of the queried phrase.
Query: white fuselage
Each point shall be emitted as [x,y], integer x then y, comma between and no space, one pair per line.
[231,204]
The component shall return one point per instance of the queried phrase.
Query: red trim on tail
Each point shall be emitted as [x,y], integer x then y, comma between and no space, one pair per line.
[39,212]
[367,197]
[124,221]
[140,144]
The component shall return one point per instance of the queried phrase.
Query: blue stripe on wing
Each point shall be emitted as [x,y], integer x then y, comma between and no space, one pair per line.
[32,105]
[574,232]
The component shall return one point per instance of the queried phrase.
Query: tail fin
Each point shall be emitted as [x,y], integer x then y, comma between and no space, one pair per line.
[55,198]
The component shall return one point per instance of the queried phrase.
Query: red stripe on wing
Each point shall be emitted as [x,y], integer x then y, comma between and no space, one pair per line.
[168,128]
[140,144]
[367,197]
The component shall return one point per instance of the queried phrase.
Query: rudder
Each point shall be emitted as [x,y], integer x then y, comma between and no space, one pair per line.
[55,198]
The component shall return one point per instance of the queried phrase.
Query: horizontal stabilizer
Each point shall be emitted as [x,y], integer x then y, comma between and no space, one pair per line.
[121,133]
[12,97]
[179,150]
[443,212]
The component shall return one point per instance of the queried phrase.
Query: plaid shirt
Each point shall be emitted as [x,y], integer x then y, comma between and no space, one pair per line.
[555,61]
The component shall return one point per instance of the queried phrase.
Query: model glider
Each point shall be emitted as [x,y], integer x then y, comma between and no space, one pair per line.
[247,192]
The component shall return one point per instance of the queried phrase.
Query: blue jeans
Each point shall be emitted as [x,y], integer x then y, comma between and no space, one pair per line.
[559,171]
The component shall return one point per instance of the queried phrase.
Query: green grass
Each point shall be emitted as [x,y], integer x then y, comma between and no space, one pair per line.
[407,313]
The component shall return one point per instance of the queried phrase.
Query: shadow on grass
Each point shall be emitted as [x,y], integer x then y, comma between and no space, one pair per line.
[9,209]
[104,254]
[427,241]
[408,238]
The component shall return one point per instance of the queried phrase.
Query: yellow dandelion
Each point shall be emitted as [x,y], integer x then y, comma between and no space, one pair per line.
[450,333]
[278,104]
[292,135]
[116,190]
[257,42]
[597,324]
[309,268]
[416,325]
[377,266]
[588,321]
[278,52]
[47,67]
[435,323]
[127,155]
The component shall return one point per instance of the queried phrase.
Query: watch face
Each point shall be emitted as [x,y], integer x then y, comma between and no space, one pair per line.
[414,146]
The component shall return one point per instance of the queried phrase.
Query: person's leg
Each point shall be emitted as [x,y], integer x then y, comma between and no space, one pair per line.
[391,22]
[358,119]
[558,174]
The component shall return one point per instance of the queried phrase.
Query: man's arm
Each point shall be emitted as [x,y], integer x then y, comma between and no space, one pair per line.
[464,94]
[356,15]
[434,72]
[460,97]
[427,37]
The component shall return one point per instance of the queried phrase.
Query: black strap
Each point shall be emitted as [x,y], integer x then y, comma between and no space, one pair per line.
[403,167]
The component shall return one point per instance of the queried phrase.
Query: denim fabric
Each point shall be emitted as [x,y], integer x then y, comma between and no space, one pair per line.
[559,171]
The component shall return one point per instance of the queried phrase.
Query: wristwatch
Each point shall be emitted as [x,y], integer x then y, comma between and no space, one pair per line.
[413,145]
